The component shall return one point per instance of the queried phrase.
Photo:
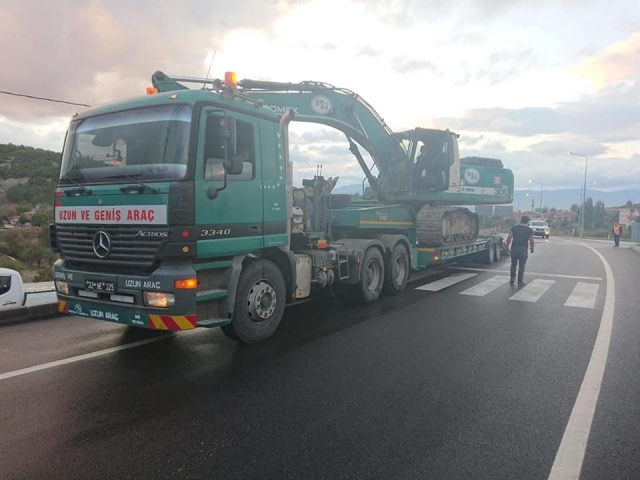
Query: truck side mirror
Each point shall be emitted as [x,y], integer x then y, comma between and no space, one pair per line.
[234,165]
[232,136]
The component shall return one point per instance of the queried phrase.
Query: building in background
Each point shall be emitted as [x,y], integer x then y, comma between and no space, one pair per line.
[627,215]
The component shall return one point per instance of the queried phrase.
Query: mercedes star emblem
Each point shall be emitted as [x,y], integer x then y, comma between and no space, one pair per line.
[101,244]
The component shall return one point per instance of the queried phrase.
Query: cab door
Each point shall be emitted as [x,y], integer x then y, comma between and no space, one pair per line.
[229,219]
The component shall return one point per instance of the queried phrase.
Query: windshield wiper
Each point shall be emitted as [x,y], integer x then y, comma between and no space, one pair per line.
[141,186]
[76,190]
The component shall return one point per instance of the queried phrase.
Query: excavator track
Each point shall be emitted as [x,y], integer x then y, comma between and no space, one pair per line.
[438,226]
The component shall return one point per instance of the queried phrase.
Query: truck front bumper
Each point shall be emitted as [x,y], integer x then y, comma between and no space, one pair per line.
[119,298]
[130,315]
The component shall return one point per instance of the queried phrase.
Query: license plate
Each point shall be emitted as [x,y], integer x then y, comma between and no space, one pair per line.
[100,286]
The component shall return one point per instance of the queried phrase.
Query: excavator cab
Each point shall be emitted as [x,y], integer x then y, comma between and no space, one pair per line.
[433,157]
[431,161]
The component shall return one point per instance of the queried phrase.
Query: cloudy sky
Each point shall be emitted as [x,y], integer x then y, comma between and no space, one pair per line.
[519,80]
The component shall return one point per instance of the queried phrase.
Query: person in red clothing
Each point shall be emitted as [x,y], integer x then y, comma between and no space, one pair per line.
[521,235]
[617,230]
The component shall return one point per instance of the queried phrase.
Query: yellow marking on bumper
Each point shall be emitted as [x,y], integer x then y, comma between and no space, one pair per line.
[157,322]
[183,323]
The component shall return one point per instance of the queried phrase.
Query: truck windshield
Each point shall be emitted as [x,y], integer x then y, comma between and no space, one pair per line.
[148,144]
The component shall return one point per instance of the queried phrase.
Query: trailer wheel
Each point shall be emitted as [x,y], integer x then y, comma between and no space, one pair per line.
[397,270]
[487,256]
[259,304]
[372,276]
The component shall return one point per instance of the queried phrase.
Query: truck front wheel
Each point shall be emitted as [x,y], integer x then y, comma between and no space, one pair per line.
[259,305]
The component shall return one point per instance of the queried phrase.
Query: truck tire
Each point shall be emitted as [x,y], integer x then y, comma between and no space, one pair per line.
[372,277]
[259,304]
[497,252]
[487,256]
[397,270]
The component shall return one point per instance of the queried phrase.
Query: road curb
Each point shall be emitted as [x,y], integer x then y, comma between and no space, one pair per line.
[636,248]
[27,314]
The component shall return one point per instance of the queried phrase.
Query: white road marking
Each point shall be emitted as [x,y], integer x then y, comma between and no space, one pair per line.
[570,455]
[485,287]
[583,295]
[87,356]
[533,291]
[552,275]
[446,282]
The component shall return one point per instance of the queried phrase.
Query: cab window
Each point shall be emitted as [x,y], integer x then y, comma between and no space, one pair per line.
[215,150]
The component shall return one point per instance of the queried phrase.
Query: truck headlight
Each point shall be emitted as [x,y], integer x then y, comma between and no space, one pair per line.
[159,299]
[62,287]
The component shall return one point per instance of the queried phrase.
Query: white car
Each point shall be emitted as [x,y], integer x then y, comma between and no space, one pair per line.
[540,228]
[15,294]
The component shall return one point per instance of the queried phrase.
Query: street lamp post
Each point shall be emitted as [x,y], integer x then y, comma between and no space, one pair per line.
[584,190]
[526,195]
[541,187]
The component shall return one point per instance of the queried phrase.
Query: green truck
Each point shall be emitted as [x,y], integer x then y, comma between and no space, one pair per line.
[177,209]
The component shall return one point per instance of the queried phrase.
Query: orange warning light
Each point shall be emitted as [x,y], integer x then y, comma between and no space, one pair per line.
[230,79]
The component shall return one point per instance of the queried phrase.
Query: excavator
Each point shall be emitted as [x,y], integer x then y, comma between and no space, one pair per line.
[419,167]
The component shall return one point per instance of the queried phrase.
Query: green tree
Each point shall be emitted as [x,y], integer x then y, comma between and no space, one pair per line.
[44,274]
[11,263]
[599,215]
[36,253]
[39,219]
[574,207]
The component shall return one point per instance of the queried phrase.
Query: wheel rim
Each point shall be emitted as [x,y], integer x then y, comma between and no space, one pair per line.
[261,301]
[373,275]
[399,269]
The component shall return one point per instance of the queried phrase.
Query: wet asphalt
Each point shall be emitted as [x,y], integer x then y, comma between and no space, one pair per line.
[422,385]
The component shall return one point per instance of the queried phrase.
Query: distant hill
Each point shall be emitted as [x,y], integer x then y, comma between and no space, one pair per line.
[563,199]
[348,189]
[27,174]
[560,199]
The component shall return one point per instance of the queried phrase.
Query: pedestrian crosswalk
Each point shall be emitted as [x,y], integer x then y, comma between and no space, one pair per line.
[583,294]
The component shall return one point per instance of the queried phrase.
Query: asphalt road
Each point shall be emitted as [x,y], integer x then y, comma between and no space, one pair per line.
[459,382]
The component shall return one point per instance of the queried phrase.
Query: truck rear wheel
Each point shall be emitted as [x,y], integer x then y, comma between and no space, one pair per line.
[259,305]
[397,271]
[371,277]
[369,287]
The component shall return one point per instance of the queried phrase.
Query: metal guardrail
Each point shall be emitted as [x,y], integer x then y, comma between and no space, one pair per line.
[635,232]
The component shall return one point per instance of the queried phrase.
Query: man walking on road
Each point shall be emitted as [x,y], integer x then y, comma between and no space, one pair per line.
[617,230]
[521,235]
